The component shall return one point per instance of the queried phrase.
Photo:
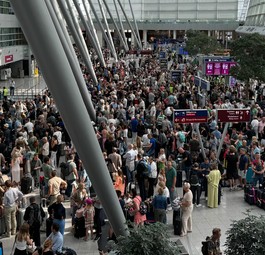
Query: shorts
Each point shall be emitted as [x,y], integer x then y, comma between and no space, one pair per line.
[242,174]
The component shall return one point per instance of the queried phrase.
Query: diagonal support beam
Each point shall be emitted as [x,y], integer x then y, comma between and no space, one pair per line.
[130,25]
[45,43]
[92,37]
[124,42]
[69,51]
[113,51]
[90,25]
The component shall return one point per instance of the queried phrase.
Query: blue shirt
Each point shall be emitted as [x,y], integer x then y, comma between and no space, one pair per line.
[11,196]
[160,202]
[57,241]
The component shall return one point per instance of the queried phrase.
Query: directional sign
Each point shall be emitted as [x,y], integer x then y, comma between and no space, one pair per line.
[176,75]
[190,116]
[163,64]
[233,115]
[162,54]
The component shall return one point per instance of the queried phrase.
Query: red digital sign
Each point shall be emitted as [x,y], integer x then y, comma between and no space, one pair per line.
[8,58]
[235,115]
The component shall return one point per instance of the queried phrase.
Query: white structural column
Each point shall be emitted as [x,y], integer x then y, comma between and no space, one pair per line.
[100,38]
[145,38]
[174,34]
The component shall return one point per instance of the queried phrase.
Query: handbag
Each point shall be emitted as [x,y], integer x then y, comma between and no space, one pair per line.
[31,248]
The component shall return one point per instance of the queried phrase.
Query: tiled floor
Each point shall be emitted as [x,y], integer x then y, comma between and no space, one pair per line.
[204,220]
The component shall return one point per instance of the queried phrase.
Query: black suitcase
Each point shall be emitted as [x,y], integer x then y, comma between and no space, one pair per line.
[179,179]
[67,251]
[177,221]
[259,200]
[251,195]
[26,185]
[80,230]
[49,222]
[219,194]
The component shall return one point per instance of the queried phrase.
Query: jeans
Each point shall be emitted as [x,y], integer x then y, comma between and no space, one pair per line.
[172,194]
[141,184]
[69,188]
[196,191]
[187,172]
[61,224]
[160,215]
[258,178]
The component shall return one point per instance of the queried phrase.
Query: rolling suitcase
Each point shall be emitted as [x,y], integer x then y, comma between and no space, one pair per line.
[259,201]
[20,217]
[80,230]
[251,193]
[177,221]
[179,179]
[2,225]
[26,185]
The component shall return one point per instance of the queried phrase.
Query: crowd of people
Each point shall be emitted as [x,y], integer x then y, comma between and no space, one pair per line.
[141,143]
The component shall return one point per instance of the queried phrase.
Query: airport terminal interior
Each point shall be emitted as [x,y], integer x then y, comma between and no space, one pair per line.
[106,69]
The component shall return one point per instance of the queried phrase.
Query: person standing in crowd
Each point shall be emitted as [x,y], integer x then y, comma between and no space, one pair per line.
[98,218]
[119,183]
[73,176]
[35,166]
[195,184]
[139,219]
[258,169]
[160,206]
[231,169]
[15,167]
[243,163]
[83,177]
[171,179]
[47,171]
[33,216]
[54,148]
[55,184]
[187,208]
[89,214]
[22,240]
[214,242]
[45,148]
[213,179]
[12,87]
[57,210]
[11,197]
[77,199]
[152,177]
[130,157]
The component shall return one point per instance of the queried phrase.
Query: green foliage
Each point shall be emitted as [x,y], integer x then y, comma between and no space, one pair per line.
[200,43]
[246,236]
[249,52]
[151,239]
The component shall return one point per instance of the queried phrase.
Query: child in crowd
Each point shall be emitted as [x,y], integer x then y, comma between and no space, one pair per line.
[89,214]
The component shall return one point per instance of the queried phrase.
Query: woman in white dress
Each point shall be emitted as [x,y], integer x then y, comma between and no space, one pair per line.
[15,167]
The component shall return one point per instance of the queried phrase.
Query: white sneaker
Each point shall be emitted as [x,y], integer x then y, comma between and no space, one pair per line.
[199,205]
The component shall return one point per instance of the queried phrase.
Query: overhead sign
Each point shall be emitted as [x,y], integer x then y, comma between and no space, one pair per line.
[190,116]
[233,115]
[217,65]
[8,58]
[162,54]
[163,64]
[205,85]
[176,75]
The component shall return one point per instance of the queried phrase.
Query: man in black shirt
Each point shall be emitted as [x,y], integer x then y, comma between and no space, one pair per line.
[33,216]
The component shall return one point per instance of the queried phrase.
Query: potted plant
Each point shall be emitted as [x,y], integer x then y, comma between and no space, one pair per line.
[246,236]
[150,239]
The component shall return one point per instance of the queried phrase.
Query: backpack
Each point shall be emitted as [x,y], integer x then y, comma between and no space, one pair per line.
[65,168]
[142,207]
[182,137]
[204,248]
[35,218]
[146,168]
